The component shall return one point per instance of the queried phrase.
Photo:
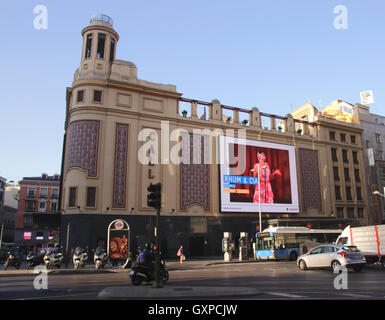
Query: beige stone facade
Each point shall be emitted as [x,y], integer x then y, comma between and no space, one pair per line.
[107,109]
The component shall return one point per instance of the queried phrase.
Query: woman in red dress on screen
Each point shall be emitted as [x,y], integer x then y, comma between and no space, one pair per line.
[267,195]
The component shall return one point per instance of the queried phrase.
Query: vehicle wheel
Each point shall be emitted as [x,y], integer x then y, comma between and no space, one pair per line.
[135,280]
[293,256]
[335,265]
[164,276]
[302,265]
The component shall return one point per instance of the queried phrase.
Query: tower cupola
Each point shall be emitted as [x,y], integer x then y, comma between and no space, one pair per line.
[99,47]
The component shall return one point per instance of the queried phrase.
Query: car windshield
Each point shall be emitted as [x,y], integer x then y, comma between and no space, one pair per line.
[351,249]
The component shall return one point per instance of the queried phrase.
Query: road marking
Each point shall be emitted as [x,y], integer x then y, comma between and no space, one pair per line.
[287,295]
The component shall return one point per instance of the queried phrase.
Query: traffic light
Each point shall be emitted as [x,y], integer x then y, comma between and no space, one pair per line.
[154,199]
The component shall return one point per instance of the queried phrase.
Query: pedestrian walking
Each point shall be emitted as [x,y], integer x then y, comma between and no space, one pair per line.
[180,254]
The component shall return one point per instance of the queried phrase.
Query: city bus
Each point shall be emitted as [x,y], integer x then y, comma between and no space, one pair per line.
[280,243]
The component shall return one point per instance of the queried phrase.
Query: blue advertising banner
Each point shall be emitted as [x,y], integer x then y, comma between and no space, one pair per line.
[228,179]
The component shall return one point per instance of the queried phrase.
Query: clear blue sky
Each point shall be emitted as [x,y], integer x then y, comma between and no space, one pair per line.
[273,54]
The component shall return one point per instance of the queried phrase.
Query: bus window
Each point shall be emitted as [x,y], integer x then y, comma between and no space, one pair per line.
[265,243]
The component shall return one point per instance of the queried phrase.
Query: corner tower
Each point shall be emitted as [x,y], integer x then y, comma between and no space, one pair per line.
[99,48]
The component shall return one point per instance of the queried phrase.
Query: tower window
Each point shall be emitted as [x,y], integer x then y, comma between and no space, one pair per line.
[97,96]
[80,96]
[88,46]
[101,44]
[112,50]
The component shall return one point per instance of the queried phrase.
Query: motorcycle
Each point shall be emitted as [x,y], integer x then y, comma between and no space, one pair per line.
[141,272]
[35,259]
[100,258]
[79,258]
[53,258]
[14,259]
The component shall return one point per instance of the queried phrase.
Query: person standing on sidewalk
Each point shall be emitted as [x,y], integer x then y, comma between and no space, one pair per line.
[180,254]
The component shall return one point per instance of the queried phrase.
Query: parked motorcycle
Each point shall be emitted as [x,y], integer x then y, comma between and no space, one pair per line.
[53,258]
[79,258]
[100,258]
[35,258]
[14,259]
[141,272]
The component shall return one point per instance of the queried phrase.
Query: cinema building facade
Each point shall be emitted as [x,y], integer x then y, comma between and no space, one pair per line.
[109,113]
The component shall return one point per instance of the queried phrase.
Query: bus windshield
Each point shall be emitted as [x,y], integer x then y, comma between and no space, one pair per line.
[265,243]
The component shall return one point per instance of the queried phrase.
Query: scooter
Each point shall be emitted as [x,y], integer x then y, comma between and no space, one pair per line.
[53,258]
[100,258]
[14,259]
[35,259]
[79,258]
[141,272]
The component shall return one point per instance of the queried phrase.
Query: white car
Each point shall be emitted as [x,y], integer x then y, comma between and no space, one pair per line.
[332,256]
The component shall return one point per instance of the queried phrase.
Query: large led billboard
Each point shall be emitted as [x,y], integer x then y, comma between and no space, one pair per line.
[243,161]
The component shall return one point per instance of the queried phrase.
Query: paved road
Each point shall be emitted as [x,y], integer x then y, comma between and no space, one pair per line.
[275,280]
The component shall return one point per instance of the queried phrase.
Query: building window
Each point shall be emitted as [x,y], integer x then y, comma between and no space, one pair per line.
[360,212]
[332,135]
[53,206]
[353,139]
[355,157]
[336,174]
[80,96]
[112,50]
[31,192]
[338,193]
[367,144]
[379,155]
[42,206]
[334,154]
[359,195]
[357,175]
[350,212]
[349,193]
[346,174]
[88,46]
[30,205]
[91,197]
[378,138]
[340,212]
[101,45]
[345,156]
[55,193]
[97,96]
[43,192]
[28,220]
[72,199]
[343,137]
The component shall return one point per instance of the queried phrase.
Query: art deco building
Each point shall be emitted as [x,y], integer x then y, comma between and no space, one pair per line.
[108,112]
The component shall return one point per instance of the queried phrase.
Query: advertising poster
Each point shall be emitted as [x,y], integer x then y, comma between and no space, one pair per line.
[241,191]
[118,240]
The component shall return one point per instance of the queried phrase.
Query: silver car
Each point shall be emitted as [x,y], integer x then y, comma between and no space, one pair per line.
[332,256]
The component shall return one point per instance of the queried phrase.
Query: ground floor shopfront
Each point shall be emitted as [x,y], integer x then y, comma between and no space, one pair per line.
[199,235]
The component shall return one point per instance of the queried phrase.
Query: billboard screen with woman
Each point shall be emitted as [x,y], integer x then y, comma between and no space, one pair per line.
[241,190]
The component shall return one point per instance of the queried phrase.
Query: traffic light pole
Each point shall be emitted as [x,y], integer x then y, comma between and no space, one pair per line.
[157,283]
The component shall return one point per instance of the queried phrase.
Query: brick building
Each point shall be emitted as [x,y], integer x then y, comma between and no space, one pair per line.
[38,221]
[109,110]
